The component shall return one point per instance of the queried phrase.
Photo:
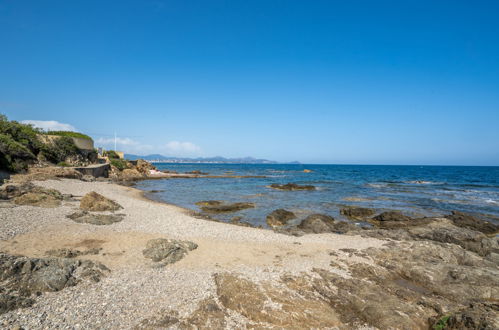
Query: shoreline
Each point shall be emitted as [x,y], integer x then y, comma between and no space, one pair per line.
[232,269]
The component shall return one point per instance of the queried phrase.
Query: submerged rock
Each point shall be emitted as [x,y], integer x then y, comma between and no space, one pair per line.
[221,207]
[22,276]
[96,202]
[279,217]
[167,251]
[466,220]
[357,213]
[291,187]
[95,219]
[392,216]
[317,223]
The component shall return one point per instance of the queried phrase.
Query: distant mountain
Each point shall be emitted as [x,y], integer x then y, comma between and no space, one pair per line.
[217,159]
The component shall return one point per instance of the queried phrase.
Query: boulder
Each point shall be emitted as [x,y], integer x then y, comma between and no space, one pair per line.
[279,217]
[95,219]
[392,216]
[291,187]
[317,223]
[22,276]
[144,167]
[466,220]
[357,213]
[96,202]
[37,199]
[167,251]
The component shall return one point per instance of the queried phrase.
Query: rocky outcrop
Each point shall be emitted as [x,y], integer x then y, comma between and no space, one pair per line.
[71,253]
[357,213]
[144,167]
[279,217]
[29,194]
[222,207]
[22,276]
[164,251]
[96,202]
[291,187]
[396,219]
[317,223]
[469,221]
[95,219]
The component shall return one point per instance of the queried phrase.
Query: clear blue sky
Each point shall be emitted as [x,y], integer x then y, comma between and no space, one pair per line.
[370,82]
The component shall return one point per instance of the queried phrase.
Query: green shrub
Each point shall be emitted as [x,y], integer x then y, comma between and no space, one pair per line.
[441,323]
[120,164]
[14,156]
[111,154]
[63,164]
[69,134]
[60,149]
[24,134]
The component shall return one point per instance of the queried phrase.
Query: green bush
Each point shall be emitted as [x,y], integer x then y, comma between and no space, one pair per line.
[24,134]
[63,164]
[441,323]
[14,156]
[120,164]
[69,134]
[60,149]
[111,154]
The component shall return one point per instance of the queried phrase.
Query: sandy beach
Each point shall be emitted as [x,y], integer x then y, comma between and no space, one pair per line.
[133,290]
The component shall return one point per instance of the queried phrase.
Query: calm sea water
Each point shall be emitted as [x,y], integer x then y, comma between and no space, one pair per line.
[415,190]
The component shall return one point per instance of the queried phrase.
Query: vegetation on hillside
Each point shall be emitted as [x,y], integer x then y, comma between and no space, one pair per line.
[69,134]
[20,146]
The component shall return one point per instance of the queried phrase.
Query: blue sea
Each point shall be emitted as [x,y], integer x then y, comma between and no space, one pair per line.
[414,190]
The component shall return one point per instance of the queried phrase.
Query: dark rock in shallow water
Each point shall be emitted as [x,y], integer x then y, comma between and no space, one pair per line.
[291,187]
[95,219]
[392,216]
[357,213]
[221,207]
[23,276]
[279,217]
[465,220]
[167,251]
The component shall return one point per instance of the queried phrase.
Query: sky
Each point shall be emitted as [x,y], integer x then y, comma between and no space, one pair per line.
[341,82]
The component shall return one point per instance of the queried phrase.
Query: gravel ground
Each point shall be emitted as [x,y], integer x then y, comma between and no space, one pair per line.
[134,290]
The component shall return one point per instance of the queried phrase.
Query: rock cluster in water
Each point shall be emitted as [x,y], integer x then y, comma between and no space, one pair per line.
[291,187]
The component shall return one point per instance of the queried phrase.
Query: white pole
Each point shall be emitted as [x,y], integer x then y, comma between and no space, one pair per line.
[114,140]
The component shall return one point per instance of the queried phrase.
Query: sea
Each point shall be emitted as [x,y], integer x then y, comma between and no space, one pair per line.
[415,190]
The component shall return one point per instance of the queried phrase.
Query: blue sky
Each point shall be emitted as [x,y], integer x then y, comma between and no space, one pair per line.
[368,82]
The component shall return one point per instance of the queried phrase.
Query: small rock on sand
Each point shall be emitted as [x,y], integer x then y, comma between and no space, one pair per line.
[96,202]
[167,251]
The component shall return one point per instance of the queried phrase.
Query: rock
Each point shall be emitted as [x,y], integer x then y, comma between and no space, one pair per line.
[23,276]
[221,207]
[392,216]
[279,217]
[11,191]
[465,220]
[95,219]
[476,316]
[70,253]
[317,223]
[267,306]
[144,167]
[96,202]
[131,174]
[167,251]
[357,213]
[291,187]
[197,172]
[41,199]
[342,227]
[88,178]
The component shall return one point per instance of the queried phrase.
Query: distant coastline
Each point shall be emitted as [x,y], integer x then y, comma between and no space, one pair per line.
[156,158]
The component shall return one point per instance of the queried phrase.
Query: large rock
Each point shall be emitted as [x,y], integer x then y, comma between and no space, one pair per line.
[396,219]
[279,217]
[22,276]
[465,220]
[291,187]
[96,202]
[317,223]
[357,213]
[95,219]
[221,207]
[167,251]
[35,196]
[144,167]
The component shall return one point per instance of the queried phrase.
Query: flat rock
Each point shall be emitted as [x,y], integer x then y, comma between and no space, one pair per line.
[357,213]
[222,207]
[96,202]
[71,253]
[466,220]
[279,217]
[392,216]
[291,187]
[167,251]
[95,219]
[22,276]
